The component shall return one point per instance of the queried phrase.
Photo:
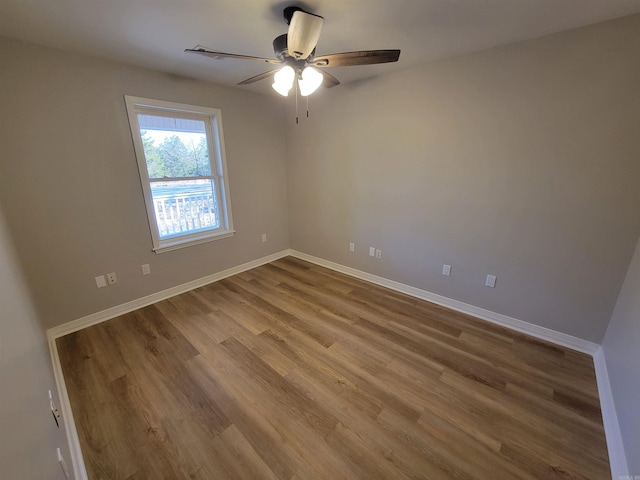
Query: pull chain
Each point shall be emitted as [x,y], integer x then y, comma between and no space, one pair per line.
[296,102]
[307,106]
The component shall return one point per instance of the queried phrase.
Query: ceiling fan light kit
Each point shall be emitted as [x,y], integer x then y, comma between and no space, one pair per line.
[283,80]
[308,80]
[295,50]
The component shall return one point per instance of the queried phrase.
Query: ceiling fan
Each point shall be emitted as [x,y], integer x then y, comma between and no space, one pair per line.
[295,51]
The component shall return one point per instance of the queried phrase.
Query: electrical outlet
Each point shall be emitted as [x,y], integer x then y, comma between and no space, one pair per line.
[446,270]
[352,247]
[264,237]
[146,269]
[101,282]
[54,409]
[491,281]
[111,278]
[378,253]
[372,252]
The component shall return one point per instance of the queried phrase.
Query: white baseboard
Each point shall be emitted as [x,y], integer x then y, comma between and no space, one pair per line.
[79,470]
[542,333]
[77,462]
[617,456]
[109,313]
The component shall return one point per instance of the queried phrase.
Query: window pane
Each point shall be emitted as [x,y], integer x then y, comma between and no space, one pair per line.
[184,207]
[174,147]
[180,156]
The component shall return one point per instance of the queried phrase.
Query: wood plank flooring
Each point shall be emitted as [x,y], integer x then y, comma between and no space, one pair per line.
[291,371]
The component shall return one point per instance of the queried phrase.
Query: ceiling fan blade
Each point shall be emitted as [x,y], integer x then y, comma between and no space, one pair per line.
[329,80]
[220,55]
[364,57]
[259,77]
[304,32]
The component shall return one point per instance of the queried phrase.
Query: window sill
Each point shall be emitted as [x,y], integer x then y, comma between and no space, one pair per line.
[182,243]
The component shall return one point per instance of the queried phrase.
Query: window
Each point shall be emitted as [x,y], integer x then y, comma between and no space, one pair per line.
[180,153]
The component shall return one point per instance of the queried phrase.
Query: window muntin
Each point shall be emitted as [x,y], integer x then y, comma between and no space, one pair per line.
[180,156]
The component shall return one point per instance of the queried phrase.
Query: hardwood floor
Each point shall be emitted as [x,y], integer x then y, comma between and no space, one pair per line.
[292,371]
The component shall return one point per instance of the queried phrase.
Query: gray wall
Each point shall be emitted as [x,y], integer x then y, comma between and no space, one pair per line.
[29,437]
[621,346]
[519,161]
[70,187]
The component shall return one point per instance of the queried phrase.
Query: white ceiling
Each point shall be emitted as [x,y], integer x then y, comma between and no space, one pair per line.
[154,33]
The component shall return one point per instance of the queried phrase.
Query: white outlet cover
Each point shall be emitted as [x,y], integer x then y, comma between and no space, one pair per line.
[111,278]
[378,253]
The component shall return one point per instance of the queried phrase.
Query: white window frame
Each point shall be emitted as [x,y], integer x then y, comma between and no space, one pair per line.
[217,157]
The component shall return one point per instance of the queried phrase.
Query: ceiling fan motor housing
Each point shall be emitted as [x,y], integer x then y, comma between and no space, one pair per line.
[282,53]
[280,47]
